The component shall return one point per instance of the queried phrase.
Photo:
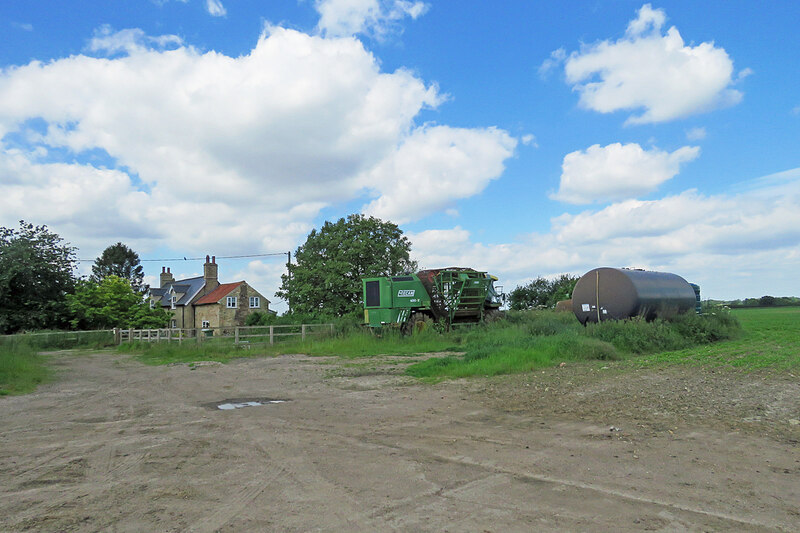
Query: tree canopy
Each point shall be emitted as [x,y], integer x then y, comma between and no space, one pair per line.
[542,292]
[119,260]
[112,303]
[326,279]
[36,273]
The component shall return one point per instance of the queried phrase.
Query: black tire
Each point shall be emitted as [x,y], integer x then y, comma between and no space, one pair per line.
[492,315]
[417,323]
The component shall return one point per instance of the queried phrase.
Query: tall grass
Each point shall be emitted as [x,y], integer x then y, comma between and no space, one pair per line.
[533,339]
[22,369]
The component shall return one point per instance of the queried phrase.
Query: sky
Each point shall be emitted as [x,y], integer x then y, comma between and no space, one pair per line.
[522,138]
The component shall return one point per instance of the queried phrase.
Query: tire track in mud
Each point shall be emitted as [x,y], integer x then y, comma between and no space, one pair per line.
[584,491]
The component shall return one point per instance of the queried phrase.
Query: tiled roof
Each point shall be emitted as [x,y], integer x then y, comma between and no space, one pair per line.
[217,294]
[188,287]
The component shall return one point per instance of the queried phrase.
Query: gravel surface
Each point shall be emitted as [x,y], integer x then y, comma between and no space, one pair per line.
[114,445]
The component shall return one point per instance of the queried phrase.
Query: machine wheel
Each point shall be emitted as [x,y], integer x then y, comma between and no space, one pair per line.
[417,323]
[491,315]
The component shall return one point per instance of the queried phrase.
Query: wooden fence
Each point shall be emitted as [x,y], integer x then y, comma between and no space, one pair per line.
[241,335]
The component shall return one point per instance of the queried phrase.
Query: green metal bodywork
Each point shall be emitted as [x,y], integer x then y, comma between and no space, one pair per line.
[453,296]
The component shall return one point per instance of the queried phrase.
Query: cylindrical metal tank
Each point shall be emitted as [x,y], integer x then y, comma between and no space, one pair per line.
[617,293]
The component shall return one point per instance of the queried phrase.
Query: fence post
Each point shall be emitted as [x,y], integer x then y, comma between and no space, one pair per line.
[303,331]
[117,336]
[236,335]
[271,335]
[331,329]
[199,333]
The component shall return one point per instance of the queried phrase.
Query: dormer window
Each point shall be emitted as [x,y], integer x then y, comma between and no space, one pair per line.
[172,302]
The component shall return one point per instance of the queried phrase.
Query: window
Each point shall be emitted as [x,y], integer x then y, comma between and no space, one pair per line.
[205,324]
[255,302]
[232,302]
[373,291]
[172,302]
[152,304]
[173,323]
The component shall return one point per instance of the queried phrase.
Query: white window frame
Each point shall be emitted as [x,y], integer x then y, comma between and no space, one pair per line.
[172,301]
[232,302]
[205,324]
[173,323]
[255,300]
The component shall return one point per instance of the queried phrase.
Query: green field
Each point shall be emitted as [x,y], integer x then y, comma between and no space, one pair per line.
[771,339]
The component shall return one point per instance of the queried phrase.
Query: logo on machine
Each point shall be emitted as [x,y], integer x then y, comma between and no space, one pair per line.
[405,293]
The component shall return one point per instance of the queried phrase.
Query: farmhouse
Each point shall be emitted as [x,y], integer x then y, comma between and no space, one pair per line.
[204,302]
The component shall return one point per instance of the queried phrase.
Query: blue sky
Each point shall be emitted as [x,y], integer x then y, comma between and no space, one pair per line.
[523,138]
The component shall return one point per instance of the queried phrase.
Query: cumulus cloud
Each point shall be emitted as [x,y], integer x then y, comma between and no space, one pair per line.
[435,166]
[653,71]
[734,245]
[344,18]
[617,171]
[206,151]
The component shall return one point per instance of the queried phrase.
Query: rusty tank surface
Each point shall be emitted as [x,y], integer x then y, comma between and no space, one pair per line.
[617,293]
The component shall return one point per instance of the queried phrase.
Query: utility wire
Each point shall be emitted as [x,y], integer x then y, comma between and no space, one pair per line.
[194,258]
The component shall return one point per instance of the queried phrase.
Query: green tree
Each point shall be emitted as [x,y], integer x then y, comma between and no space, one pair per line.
[326,279]
[112,303]
[119,260]
[36,273]
[542,292]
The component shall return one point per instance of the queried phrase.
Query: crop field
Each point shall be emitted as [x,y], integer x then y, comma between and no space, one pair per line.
[643,433]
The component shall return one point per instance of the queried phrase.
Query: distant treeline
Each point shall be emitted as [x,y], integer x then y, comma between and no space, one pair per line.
[764,301]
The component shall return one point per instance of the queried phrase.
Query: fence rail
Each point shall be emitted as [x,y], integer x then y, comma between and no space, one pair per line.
[61,339]
[241,335]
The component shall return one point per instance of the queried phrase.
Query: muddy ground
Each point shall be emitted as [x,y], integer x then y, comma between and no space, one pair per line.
[113,445]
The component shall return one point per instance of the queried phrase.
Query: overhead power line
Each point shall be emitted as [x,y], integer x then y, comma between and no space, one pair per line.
[173,259]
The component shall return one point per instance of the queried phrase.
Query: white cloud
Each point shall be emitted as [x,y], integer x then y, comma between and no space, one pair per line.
[210,152]
[435,166]
[617,171]
[653,71]
[344,18]
[696,134]
[215,8]
[556,59]
[739,245]
[128,41]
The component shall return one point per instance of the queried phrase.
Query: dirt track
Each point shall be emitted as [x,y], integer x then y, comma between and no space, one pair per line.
[114,445]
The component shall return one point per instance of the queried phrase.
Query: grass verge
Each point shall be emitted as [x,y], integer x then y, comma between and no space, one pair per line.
[22,369]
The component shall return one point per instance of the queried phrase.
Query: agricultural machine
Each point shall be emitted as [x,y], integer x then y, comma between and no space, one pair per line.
[450,296]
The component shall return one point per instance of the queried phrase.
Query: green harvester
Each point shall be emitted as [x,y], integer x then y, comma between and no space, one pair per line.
[450,296]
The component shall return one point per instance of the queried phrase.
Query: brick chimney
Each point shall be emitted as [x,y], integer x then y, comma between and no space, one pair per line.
[166,276]
[210,273]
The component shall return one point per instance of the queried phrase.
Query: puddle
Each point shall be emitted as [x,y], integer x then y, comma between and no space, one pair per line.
[239,403]
[229,406]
